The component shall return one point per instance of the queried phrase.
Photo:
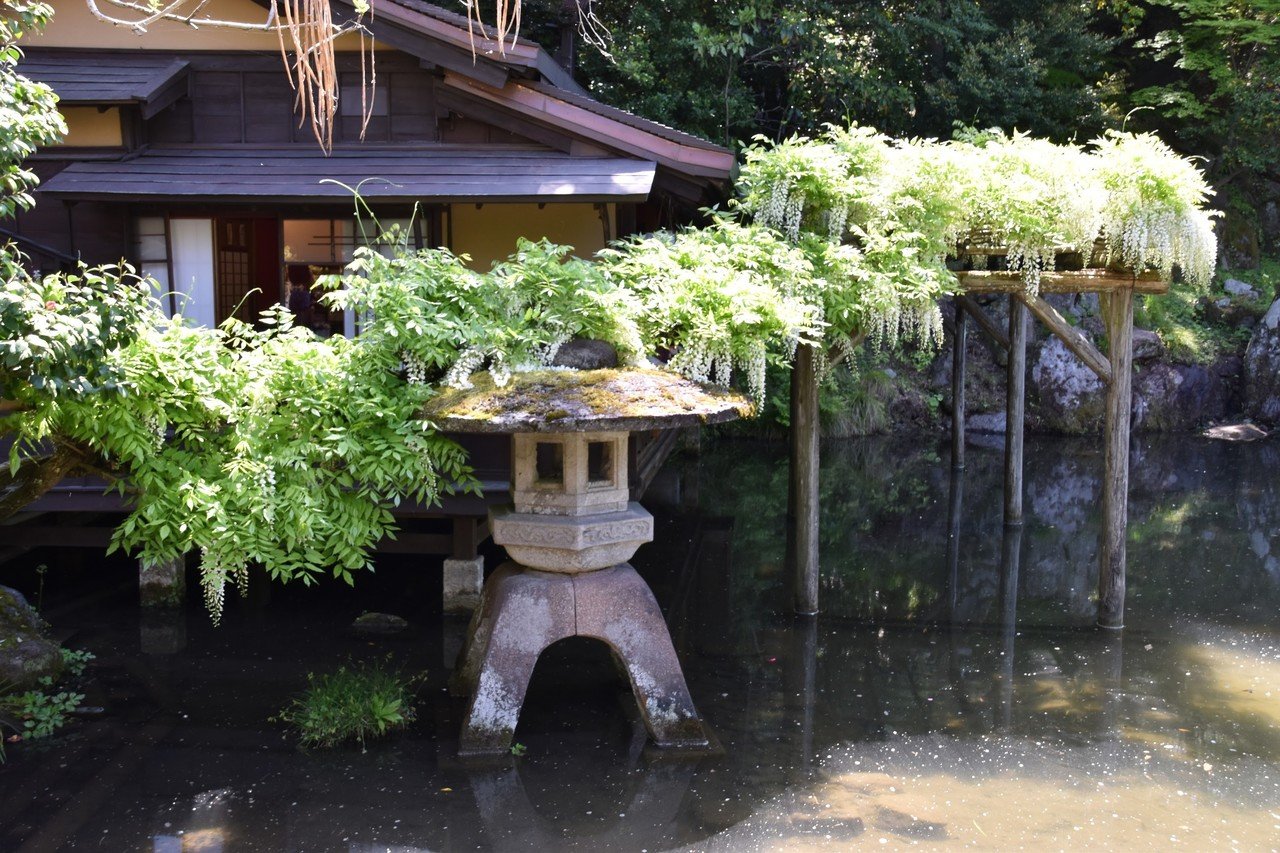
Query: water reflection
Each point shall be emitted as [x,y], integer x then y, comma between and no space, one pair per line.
[953,690]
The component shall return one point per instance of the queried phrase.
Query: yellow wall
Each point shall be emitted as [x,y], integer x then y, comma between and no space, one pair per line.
[490,233]
[87,126]
[73,25]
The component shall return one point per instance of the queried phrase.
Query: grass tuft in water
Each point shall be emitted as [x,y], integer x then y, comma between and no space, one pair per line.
[357,702]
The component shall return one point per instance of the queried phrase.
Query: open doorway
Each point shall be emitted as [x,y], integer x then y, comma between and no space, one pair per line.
[247,267]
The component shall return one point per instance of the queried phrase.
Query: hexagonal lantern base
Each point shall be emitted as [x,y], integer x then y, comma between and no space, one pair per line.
[584,543]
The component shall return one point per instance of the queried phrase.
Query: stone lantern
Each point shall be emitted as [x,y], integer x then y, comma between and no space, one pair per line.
[569,532]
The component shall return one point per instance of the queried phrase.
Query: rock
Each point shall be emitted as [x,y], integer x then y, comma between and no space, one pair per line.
[1176,397]
[1071,397]
[585,354]
[989,422]
[1240,289]
[26,652]
[1235,432]
[379,625]
[1262,368]
[1146,345]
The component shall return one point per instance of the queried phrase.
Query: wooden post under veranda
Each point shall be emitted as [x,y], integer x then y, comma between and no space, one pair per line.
[804,479]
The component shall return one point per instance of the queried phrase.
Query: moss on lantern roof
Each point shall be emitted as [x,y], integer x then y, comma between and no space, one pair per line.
[583,401]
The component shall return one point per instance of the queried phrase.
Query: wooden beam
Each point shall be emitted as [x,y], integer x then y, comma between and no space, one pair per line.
[504,119]
[417,543]
[1015,411]
[974,310]
[1068,334]
[804,477]
[959,340]
[1079,281]
[1117,311]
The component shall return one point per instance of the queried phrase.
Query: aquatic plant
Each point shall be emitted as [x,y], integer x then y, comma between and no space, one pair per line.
[356,702]
[40,712]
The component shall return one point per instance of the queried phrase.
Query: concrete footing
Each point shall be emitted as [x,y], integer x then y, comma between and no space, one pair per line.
[162,584]
[462,582]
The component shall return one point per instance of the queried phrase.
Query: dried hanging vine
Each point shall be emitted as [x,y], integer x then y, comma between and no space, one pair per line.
[506,23]
[307,35]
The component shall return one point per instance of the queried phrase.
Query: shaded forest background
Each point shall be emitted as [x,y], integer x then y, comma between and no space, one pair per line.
[1204,74]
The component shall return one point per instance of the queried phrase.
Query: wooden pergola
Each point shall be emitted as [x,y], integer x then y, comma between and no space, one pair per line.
[1114,368]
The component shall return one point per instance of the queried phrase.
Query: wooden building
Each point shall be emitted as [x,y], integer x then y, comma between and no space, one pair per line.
[185,155]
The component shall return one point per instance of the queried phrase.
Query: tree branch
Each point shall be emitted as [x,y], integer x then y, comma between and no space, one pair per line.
[34,478]
[171,12]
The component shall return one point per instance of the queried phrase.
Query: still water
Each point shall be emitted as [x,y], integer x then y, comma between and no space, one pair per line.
[947,697]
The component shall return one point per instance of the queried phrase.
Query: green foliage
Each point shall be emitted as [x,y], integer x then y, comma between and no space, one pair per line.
[1208,68]
[74,661]
[42,712]
[357,702]
[444,321]
[39,713]
[57,333]
[30,115]
[719,298]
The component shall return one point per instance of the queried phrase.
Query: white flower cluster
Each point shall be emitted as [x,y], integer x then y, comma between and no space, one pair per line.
[697,362]
[415,368]
[156,427]
[499,370]
[1160,239]
[215,570]
[784,210]
[459,376]
[1031,261]
[755,370]
[694,361]
[213,582]
[546,353]
[921,325]
[795,211]
[836,220]
[264,479]
[774,213]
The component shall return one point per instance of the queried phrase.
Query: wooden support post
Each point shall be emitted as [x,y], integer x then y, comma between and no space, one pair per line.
[804,477]
[1117,311]
[1015,409]
[959,340]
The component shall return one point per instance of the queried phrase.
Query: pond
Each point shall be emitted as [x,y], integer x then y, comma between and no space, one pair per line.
[946,697]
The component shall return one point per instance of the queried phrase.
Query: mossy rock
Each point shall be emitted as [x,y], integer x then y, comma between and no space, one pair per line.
[584,401]
[26,652]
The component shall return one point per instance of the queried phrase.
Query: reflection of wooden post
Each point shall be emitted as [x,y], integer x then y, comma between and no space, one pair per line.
[1015,408]
[802,684]
[1117,311]
[804,477]
[955,510]
[958,342]
[1010,560]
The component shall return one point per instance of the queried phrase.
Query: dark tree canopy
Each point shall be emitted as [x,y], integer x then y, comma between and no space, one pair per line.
[1205,72]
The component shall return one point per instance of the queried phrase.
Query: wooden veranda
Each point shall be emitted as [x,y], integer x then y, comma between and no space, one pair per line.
[1114,368]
